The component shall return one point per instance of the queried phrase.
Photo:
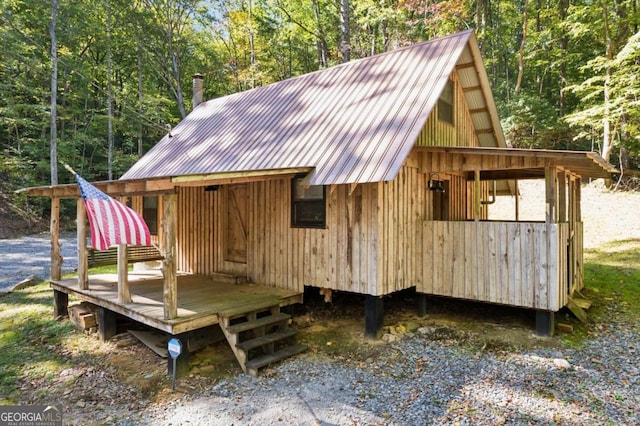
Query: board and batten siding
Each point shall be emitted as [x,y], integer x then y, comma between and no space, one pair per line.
[513,263]
[342,257]
[461,133]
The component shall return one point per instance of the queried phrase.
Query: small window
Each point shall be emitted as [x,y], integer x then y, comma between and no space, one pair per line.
[150,213]
[445,104]
[308,205]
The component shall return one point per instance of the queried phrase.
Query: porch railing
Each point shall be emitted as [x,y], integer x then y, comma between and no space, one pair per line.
[527,264]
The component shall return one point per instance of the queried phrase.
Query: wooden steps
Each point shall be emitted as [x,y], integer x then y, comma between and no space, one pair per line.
[259,335]
[257,363]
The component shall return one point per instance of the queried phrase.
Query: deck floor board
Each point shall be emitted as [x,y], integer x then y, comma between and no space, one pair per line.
[200,298]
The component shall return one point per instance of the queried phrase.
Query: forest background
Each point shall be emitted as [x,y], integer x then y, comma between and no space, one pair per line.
[95,83]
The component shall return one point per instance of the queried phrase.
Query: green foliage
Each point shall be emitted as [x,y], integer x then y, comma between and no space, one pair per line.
[29,336]
[157,45]
[612,277]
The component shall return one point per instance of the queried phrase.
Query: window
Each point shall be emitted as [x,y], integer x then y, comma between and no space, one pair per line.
[445,104]
[150,213]
[308,205]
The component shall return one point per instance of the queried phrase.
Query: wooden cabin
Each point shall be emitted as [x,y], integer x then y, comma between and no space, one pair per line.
[370,177]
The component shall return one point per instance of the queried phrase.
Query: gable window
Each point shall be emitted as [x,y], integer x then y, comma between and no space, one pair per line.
[445,104]
[308,205]
[150,213]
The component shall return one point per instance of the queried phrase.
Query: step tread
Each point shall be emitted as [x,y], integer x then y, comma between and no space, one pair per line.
[250,325]
[257,305]
[256,363]
[269,338]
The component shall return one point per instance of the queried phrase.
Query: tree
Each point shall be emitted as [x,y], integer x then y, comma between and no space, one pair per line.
[54,94]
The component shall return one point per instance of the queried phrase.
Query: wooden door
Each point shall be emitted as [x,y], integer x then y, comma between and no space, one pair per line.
[236,236]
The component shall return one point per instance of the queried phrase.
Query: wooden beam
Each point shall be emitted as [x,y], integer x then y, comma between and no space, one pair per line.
[466,65]
[169,266]
[478,110]
[485,131]
[56,259]
[124,294]
[471,89]
[81,221]
[236,177]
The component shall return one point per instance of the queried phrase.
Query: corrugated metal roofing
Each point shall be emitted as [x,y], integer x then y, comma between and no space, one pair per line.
[352,123]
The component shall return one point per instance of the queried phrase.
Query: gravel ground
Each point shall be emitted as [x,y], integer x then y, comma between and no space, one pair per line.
[29,256]
[422,381]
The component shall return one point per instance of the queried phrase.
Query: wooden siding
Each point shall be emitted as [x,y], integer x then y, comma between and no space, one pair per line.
[342,257]
[461,133]
[513,263]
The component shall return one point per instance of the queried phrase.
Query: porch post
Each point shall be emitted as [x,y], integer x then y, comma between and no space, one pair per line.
[56,259]
[562,196]
[477,196]
[124,294]
[81,223]
[517,201]
[551,194]
[169,267]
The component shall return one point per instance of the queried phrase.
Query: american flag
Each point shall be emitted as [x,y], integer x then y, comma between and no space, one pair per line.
[111,222]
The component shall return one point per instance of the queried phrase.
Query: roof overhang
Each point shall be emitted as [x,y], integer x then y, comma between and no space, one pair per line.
[512,163]
[166,185]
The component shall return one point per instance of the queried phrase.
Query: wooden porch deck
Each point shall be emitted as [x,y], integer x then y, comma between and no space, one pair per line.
[200,298]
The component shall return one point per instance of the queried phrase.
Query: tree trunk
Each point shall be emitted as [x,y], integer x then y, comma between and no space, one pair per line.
[516,91]
[607,136]
[54,95]
[140,101]
[252,50]
[321,45]
[564,44]
[345,40]
[109,96]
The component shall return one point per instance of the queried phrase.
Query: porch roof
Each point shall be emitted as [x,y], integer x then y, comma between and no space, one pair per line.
[512,163]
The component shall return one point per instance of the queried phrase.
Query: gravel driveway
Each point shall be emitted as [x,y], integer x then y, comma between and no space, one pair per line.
[21,258]
[422,381]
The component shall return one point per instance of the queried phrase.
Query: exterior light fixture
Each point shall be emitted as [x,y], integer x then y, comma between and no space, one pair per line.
[435,183]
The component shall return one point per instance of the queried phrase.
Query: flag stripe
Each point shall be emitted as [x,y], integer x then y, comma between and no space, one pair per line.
[110,221]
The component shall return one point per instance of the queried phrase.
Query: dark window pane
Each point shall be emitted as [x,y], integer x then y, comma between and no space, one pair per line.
[150,213]
[308,205]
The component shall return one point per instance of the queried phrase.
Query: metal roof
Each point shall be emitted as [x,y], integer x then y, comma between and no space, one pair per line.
[352,123]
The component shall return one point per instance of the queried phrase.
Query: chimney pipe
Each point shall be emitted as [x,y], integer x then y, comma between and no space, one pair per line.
[197,90]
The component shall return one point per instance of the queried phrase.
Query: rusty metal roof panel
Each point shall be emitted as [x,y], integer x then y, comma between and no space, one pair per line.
[352,123]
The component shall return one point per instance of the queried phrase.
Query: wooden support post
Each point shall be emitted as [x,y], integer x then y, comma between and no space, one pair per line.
[422,304]
[106,323]
[56,259]
[545,323]
[517,202]
[169,267]
[124,294]
[551,194]
[182,362]
[578,200]
[60,304]
[83,262]
[477,196]
[374,316]
[562,196]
